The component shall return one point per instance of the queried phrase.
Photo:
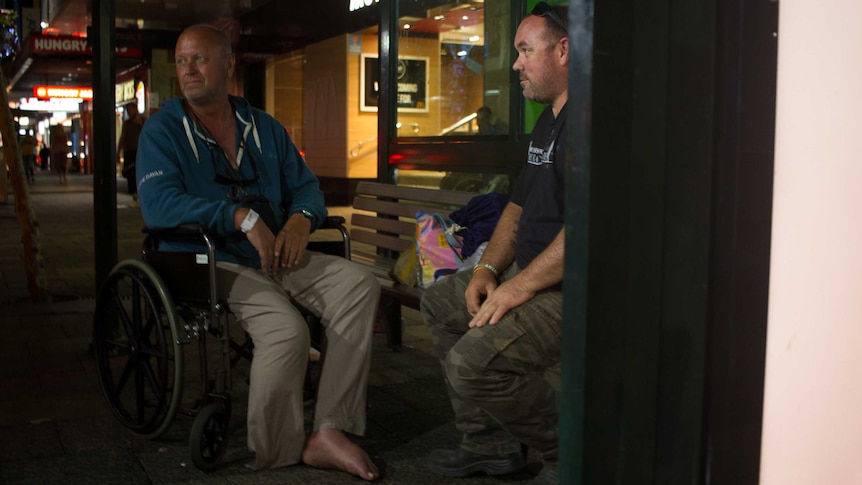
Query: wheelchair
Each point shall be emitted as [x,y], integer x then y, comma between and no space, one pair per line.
[148,315]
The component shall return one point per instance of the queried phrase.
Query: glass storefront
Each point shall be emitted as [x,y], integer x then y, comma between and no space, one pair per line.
[453,81]
[453,69]
[459,117]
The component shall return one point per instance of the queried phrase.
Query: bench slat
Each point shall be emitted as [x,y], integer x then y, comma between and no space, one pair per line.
[400,209]
[447,197]
[380,240]
[379,263]
[381,224]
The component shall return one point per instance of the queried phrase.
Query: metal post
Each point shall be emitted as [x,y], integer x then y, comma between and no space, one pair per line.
[104,153]
[573,360]
[386,114]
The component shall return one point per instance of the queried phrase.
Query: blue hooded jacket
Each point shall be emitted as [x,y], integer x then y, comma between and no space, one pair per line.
[177,166]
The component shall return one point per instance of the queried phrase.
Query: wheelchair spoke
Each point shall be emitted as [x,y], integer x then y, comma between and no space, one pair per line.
[124,377]
[210,441]
[121,311]
[147,329]
[140,395]
[117,346]
[150,376]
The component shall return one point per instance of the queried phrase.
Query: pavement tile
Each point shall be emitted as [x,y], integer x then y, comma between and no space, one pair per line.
[65,382]
[11,350]
[58,346]
[33,472]
[26,386]
[103,466]
[95,433]
[48,408]
[29,442]
[25,363]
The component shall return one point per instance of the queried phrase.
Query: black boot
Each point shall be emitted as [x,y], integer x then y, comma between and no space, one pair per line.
[462,463]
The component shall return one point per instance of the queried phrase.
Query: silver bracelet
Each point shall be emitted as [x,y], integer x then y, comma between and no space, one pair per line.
[488,267]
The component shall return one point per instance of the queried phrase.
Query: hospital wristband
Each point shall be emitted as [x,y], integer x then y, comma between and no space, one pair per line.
[486,266]
[249,221]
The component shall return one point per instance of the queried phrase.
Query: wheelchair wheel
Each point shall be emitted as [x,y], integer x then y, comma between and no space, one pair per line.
[208,438]
[138,355]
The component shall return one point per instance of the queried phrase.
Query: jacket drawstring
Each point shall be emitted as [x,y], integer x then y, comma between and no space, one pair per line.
[191,138]
[248,126]
[254,133]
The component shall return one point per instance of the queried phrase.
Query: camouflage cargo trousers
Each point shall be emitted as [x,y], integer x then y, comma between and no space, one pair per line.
[494,373]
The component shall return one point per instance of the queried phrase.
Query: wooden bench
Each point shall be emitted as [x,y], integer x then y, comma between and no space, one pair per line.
[387,229]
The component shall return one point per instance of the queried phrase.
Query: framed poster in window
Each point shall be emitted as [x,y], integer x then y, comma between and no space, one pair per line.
[411,82]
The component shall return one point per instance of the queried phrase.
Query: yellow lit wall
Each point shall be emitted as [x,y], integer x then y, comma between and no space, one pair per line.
[325,82]
[284,96]
[318,99]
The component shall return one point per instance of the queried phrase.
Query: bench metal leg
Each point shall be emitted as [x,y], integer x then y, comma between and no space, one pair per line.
[391,308]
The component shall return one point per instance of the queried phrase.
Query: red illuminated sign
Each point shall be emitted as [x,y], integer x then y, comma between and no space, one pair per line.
[47,92]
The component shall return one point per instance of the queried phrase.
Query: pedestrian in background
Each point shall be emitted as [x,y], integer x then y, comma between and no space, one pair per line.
[44,157]
[29,148]
[60,151]
[127,147]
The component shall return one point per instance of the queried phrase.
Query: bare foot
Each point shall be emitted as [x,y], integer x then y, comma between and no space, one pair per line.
[329,448]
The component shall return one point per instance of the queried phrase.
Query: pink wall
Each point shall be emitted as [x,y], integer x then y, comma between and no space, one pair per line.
[812,425]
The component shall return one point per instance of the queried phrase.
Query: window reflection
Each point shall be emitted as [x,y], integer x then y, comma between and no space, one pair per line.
[453,69]
[468,47]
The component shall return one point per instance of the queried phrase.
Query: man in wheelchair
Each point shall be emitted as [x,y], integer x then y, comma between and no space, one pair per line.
[209,158]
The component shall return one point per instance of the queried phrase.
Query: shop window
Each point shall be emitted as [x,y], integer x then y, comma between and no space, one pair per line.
[454,83]
[454,64]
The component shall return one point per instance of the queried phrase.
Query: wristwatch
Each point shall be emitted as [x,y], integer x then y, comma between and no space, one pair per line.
[308,215]
[249,221]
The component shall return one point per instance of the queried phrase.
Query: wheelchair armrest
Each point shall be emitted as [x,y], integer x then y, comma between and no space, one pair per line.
[333,222]
[340,247]
[193,232]
[183,233]
[200,233]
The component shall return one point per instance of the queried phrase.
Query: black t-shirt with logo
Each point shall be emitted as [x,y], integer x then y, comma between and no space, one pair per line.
[540,187]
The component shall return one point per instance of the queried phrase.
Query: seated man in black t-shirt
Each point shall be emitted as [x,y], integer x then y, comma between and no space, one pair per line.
[497,330]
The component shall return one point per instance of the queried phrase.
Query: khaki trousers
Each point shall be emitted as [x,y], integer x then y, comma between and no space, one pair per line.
[345,297]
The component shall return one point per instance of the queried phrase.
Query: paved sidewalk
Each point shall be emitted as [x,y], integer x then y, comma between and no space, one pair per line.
[55,427]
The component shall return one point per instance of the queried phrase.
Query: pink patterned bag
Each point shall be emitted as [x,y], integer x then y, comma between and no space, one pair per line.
[438,249]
